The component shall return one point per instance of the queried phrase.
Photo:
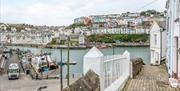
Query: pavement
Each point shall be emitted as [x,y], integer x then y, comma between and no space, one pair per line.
[151,78]
[25,83]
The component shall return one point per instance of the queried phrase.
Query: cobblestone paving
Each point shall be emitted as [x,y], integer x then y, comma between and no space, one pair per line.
[151,78]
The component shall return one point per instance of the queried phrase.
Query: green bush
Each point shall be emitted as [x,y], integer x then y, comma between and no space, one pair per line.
[110,38]
[75,25]
[53,42]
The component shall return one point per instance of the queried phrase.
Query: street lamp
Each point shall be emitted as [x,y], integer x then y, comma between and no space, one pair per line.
[68,62]
[61,73]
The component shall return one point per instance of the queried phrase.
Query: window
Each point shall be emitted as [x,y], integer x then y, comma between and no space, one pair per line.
[178,9]
[167,24]
[152,53]
[155,39]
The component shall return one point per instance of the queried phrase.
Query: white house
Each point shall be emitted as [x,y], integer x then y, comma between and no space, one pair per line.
[81,39]
[29,38]
[173,41]
[157,42]
[4,26]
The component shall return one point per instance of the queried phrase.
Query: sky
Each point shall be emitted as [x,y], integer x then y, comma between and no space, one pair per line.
[63,12]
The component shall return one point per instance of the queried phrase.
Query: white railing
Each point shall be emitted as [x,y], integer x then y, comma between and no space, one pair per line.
[113,70]
[116,70]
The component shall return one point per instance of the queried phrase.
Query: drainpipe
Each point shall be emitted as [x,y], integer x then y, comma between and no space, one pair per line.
[161,31]
[177,50]
[177,57]
[161,45]
[0,40]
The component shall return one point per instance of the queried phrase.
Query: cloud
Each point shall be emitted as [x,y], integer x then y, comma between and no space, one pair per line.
[62,12]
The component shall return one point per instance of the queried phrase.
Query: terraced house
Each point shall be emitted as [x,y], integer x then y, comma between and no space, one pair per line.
[173,41]
[125,23]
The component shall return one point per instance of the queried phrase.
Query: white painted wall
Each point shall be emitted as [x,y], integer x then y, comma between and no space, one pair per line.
[117,67]
[155,47]
[164,43]
[81,39]
[92,61]
[178,29]
[173,32]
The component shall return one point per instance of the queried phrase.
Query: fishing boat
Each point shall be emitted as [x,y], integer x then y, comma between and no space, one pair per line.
[44,61]
[39,64]
[103,46]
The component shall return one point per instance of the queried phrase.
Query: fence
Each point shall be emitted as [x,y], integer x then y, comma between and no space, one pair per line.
[113,70]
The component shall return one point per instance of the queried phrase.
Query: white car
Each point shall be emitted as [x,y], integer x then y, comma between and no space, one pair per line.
[13,71]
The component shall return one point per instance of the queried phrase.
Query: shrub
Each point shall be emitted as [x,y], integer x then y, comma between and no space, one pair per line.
[109,38]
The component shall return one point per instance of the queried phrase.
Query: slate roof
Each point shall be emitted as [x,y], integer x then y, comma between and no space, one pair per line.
[162,24]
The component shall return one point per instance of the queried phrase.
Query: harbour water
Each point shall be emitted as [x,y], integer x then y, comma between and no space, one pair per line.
[77,55]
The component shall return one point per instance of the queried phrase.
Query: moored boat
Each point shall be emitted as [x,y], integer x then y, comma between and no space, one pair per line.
[103,46]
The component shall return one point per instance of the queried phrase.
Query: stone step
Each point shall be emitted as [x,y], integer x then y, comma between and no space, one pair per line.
[147,85]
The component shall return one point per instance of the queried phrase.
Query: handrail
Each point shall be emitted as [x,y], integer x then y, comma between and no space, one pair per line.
[112,59]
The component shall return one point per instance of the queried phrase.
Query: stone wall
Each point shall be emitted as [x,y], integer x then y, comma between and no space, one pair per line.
[2,71]
[137,64]
[89,82]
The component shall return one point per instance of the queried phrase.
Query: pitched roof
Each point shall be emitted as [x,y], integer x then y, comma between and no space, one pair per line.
[162,24]
[94,52]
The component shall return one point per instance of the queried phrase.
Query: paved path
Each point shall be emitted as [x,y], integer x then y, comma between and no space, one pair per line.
[151,78]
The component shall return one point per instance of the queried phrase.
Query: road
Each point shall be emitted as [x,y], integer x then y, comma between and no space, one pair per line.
[25,83]
[13,59]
